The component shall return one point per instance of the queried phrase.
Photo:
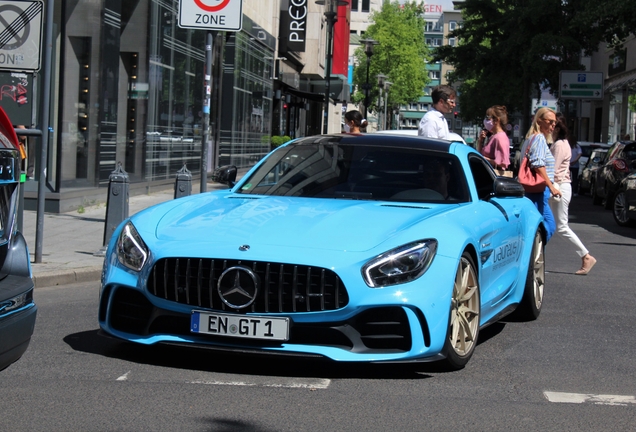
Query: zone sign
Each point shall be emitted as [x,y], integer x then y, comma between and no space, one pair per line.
[225,15]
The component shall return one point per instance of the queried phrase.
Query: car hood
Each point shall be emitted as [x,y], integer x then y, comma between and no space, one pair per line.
[343,225]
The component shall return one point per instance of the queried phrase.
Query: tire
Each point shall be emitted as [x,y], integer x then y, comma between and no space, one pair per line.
[532,300]
[596,200]
[463,327]
[620,210]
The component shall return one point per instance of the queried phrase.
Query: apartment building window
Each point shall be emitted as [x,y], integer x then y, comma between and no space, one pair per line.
[452,41]
[433,74]
[429,26]
[452,25]
[365,5]
[354,5]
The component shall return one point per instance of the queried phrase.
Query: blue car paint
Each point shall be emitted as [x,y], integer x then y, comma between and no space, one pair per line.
[341,235]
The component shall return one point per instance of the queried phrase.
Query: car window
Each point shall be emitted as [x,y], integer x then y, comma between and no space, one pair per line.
[630,152]
[483,177]
[611,153]
[346,171]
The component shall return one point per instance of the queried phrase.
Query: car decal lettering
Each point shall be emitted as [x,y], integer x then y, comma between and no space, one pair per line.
[505,254]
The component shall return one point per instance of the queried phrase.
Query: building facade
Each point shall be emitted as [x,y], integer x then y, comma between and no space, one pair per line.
[128,92]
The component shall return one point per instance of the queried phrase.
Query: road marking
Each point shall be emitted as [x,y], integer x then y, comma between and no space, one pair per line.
[312,384]
[124,377]
[579,398]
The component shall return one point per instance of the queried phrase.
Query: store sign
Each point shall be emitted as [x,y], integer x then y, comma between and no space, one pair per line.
[225,15]
[20,35]
[293,25]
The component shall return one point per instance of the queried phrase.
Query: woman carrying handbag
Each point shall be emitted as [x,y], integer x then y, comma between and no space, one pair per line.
[541,161]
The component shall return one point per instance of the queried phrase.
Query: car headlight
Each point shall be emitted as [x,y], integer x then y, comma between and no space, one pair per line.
[131,249]
[400,265]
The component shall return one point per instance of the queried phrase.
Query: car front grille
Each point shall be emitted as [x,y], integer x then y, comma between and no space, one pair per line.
[284,288]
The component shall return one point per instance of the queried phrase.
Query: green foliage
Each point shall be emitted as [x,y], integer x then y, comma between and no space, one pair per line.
[632,103]
[278,140]
[401,54]
[508,49]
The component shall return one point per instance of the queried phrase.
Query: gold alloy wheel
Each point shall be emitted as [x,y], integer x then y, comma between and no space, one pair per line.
[538,270]
[465,308]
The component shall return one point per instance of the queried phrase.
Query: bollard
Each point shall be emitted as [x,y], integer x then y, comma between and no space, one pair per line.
[117,202]
[183,184]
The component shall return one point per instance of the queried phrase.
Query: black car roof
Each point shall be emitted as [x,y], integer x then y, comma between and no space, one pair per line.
[381,140]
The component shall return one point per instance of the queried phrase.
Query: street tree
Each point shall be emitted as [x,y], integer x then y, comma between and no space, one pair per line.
[401,54]
[510,49]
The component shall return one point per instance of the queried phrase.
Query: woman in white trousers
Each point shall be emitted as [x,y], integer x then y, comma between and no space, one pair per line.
[562,152]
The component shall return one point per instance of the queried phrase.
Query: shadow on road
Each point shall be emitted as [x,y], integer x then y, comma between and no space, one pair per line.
[202,359]
[183,357]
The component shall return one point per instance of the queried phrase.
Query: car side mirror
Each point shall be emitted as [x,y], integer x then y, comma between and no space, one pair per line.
[505,187]
[225,174]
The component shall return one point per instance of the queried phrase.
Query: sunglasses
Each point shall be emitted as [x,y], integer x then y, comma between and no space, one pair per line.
[550,122]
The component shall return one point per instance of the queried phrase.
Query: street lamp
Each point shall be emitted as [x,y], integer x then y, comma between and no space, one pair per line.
[368,50]
[381,79]
[331,16]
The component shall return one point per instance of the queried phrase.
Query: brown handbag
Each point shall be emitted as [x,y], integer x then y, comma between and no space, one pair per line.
[531,181]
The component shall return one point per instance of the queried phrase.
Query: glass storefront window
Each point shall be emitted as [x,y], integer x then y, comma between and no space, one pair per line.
[246,128]
[174,130]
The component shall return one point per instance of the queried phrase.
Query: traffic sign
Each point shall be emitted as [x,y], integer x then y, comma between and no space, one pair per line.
[225,15]
[581,85]
[20,35]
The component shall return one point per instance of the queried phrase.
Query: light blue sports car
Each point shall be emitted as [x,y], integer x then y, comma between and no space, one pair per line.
[371,248]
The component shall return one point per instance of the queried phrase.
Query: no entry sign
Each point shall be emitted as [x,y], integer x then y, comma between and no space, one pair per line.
[225,15]
[20,32]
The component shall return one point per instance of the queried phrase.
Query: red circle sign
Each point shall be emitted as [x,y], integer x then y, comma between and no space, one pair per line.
[212,8]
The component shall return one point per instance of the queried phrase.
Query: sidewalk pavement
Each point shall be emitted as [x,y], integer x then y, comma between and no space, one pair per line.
[71,240]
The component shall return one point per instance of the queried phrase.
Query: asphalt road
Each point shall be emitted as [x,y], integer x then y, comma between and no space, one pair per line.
[571,370]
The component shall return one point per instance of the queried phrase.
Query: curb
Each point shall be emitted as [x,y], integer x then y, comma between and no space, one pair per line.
[51,279]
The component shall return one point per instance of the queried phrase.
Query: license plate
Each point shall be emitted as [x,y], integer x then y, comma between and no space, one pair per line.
[241,326]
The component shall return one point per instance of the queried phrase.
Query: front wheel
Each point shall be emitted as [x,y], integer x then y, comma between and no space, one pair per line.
[530,306]
[620,210]
[463,329]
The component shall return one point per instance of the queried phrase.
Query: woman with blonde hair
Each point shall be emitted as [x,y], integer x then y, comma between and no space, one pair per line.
[535,148]
[497,150]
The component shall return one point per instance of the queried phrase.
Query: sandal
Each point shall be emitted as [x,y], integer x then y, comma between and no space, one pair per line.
[587,266]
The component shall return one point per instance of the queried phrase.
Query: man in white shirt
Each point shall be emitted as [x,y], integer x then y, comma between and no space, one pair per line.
[434,124]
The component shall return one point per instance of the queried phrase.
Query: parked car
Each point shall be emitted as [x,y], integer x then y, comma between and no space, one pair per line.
[588,171]
[17,309]
[346,247]
[587,148]
[624,206]
[619,162]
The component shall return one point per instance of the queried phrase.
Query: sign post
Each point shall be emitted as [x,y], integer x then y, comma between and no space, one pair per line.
[20,35]
[210,15]
[580,85]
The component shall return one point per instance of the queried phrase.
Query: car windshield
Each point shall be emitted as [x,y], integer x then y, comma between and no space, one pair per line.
[335,170]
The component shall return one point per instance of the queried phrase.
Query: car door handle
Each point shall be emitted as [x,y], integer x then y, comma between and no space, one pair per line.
[516,211]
